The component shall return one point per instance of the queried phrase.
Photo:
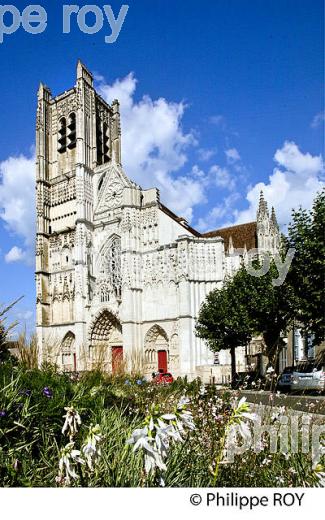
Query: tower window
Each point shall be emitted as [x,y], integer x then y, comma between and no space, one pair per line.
[105,143]
[102,142]
[99,141]
[62,140]
[100,184]
[72,136]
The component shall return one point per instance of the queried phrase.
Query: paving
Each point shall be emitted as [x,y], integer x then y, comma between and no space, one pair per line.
[314,404]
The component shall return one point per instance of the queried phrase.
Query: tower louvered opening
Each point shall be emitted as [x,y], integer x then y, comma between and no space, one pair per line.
[72,135]
[62,139]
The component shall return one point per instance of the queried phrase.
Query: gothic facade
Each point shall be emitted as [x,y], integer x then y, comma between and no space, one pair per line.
[117,273]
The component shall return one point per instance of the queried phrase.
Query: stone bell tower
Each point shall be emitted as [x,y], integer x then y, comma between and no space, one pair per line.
[76,132]
[268,234]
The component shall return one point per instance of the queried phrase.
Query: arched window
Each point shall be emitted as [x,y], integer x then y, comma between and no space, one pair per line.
[105,143]
[102,141]
[72,136]
[104,294]
[62,140]
[110,265]
[99,141]
[68,352]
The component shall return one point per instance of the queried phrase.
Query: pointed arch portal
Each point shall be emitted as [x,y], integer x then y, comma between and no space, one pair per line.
[156,350]
[106,344]
[68,353]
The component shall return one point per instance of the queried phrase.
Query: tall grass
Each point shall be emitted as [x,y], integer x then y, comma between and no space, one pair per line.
[99,359]
[27,350]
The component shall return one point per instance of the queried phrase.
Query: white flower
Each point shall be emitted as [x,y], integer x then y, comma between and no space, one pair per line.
[242,410]
[137,434]
[184,401]
[169,416]
[203,390]
[67,464]
[91,449]
[72,421]
[155,437]
[187,420]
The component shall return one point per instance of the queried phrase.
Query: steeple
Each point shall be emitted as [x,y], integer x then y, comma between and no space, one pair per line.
[262,211]
[273,219]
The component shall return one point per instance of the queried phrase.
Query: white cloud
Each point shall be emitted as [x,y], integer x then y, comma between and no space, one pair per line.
[182,192]
[205,154]
[17,202]
[293,183]
[16,254]
[218,215]
[25,315]
[318,119]
[293,160]
[218,120]
[222,177]
[154,145]
[232,155]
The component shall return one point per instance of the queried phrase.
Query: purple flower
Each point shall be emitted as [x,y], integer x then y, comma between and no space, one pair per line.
[3,413]
[47,392]
[127,382]
[139,382]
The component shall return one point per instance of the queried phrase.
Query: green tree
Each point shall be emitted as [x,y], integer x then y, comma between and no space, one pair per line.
[224,321]
[270,307]
[247,305]
[306,234]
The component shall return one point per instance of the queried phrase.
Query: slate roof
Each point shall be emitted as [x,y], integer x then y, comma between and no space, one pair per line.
[241,234]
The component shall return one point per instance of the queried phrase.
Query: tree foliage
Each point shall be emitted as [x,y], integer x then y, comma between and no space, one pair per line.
[270,307]
[247,305]
[306,234]
[224,321]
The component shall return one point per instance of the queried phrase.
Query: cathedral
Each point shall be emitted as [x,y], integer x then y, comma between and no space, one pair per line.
[118,274]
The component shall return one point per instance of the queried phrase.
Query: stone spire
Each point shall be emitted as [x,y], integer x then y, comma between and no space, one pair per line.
[273,219]
[262,211]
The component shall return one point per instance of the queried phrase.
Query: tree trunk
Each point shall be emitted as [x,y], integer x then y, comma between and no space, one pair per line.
[233,365]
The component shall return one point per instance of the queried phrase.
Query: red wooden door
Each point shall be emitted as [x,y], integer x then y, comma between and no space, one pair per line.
[117,358]
[162,360]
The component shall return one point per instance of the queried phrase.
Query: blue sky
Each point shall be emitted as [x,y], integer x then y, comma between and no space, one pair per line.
[238,84]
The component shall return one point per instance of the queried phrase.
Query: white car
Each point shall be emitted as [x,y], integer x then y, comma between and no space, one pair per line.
[308,376]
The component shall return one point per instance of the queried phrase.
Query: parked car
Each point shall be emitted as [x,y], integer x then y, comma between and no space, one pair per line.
[284,382]
[163,378]
[309,376]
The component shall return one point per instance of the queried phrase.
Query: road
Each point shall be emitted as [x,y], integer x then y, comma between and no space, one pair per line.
[303,403]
